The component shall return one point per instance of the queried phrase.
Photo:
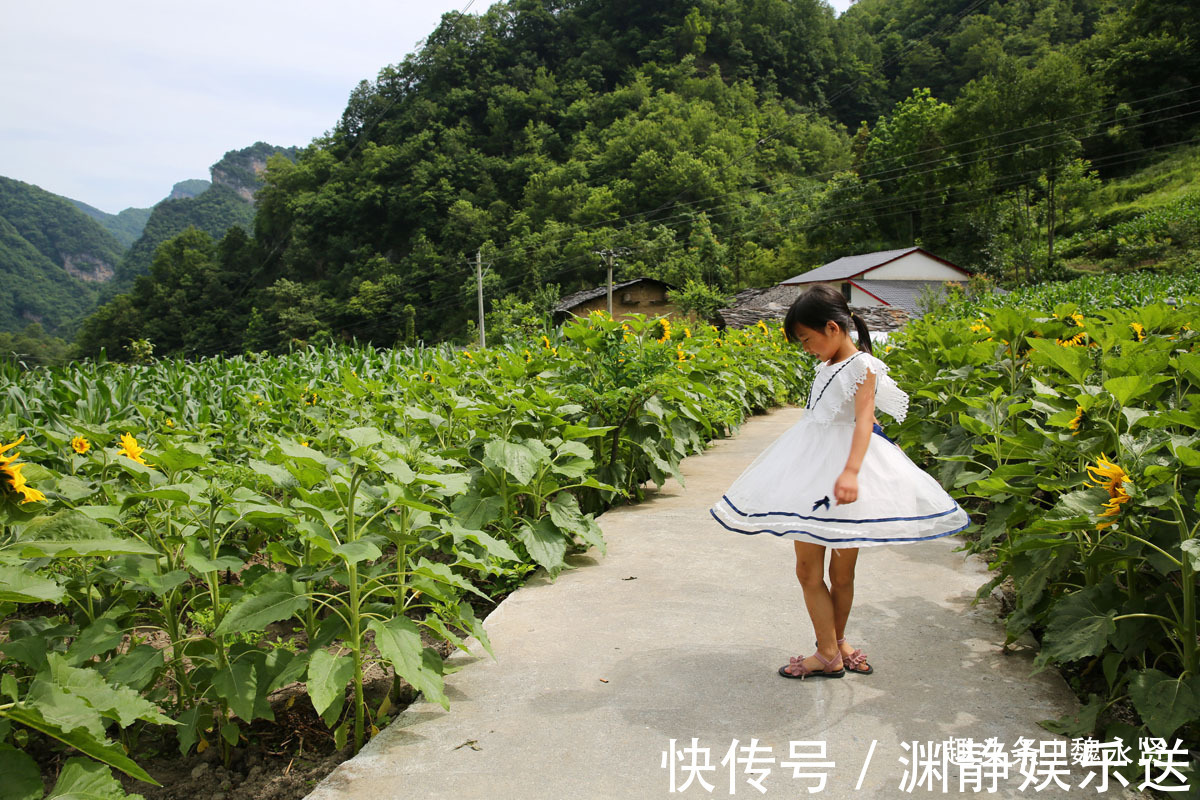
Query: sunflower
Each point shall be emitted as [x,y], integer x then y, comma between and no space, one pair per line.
[1111,477]
[665,326]
[80,445]
[1074,341]
[980,327]
[1138,330]
[130,449]
[13,472]
[1075,423]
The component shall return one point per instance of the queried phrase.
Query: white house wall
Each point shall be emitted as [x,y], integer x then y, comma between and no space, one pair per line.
[861,299]
[913,267]
[857,296]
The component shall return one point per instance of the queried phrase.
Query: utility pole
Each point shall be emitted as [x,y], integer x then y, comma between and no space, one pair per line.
[609,259]
[479,294]
[609,255]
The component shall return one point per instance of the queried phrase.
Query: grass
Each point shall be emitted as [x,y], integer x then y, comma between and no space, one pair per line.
[1162,183]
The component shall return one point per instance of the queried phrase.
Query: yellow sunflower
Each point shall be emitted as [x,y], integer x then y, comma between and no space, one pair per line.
[12,471]
[665,325]
[130,449]
[1074,423]
[1111,477]
[1074,341]
[80,445]
[1138,330]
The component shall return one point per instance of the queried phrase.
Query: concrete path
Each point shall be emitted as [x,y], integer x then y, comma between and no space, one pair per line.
[676,635]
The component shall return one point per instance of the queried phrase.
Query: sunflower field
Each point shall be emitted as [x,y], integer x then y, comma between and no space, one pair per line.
[1072,434]
[180,541]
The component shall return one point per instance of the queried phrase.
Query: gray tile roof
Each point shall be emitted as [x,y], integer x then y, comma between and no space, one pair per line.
[574,299]
[849,266]
[901,294]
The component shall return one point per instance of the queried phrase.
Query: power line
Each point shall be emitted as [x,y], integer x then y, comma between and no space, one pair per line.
[892,206]
[524,249]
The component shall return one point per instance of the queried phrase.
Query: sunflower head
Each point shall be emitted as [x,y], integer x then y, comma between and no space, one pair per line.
[1138,330]
[80,445]
[1109,476]
[12,472]
[131,450]
[1075,423]
[664,325]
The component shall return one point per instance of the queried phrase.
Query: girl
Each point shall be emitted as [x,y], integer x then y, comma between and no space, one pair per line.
[833,480]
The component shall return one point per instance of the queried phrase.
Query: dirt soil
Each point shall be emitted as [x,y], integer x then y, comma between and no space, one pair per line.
[280,760]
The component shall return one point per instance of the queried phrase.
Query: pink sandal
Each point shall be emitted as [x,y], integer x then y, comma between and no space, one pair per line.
[853,661]
[795,668]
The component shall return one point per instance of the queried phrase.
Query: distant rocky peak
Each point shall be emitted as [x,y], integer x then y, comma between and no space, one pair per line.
[188,188]
[241,170]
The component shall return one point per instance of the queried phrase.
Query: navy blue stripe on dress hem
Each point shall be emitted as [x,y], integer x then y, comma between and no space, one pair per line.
[833,540]
[741,513]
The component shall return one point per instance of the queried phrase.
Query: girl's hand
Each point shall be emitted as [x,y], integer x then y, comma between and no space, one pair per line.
[845,488]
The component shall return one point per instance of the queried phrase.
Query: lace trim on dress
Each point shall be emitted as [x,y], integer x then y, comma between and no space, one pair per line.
[889,398]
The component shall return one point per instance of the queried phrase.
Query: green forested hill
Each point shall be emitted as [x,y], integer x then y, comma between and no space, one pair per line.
[125,227]
[721,143]
[36,290]
[214,210]
[53,256]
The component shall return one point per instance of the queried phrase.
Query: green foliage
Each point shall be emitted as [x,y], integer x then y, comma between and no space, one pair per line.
[33,347]
[46,244]
[356,500]
[125,227]
[698,299]
[1070,432]
[709,140]
[214,212]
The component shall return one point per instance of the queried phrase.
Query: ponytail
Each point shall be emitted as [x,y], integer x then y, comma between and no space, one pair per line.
[864,333]
[821,304]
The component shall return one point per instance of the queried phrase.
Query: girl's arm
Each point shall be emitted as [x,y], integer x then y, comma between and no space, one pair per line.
[845,489]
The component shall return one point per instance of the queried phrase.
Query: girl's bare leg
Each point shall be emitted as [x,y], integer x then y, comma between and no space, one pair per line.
[810,571]
[841,591]
[841,586]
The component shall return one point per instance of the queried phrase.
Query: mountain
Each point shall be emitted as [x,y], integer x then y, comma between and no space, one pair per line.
[189,188]
[126,227]
[213,208]
[53,259]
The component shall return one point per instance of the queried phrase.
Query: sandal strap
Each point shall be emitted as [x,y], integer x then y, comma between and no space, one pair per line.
[829,662]
[856,658]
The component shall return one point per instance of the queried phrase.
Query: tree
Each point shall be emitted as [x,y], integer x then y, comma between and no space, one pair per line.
[907,159]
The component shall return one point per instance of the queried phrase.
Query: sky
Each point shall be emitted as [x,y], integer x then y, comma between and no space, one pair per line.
[113,103]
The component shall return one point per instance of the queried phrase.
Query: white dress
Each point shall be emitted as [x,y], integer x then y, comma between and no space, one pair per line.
[788,490]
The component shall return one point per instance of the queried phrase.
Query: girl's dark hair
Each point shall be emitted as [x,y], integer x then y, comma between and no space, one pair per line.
[822,304]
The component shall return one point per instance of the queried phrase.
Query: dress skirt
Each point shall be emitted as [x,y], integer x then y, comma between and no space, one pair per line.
[788,492]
